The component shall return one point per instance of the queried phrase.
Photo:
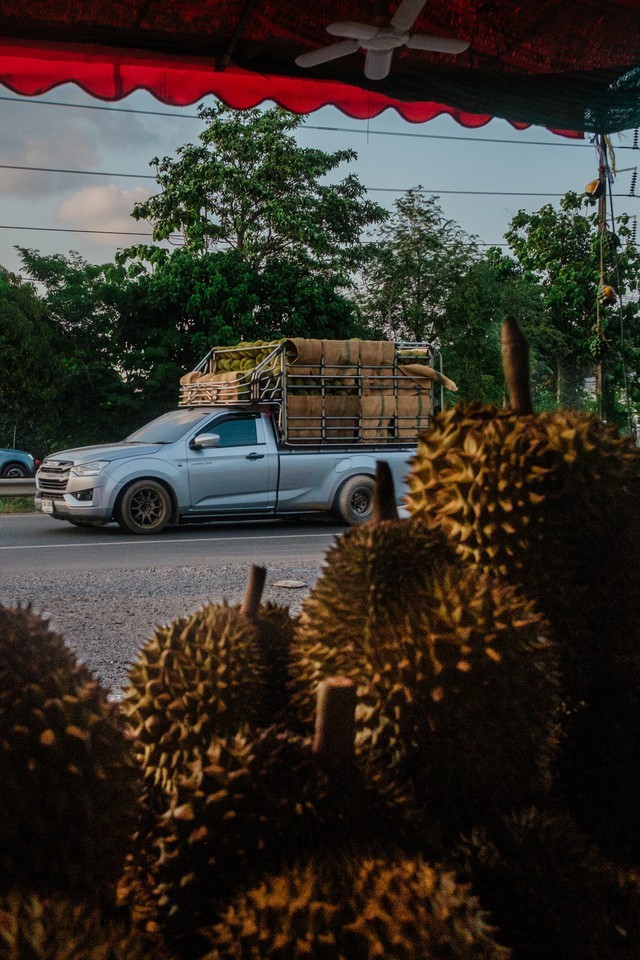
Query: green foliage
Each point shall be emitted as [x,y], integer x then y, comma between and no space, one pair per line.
[31,368]
[16,505]
[249,187]
[83,307]
[413,267]
[564,249]
[471,334]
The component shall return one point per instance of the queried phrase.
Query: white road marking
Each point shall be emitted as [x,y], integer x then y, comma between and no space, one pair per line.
[153,541]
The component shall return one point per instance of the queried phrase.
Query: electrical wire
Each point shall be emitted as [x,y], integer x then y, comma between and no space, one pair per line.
[520,142]
[308,126]
[429,190]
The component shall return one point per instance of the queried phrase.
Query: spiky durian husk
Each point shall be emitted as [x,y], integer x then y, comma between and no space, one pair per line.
[362,907]
[457,696]
[550,501]
[254,801]
[68,781]
[32,928]
[202,675]
[599,776]
[372,578]
[550,891]
[275,628]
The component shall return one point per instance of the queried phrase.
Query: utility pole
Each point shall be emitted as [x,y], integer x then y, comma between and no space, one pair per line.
[602,236]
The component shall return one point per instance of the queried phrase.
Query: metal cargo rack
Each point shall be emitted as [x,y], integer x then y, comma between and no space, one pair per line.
[339,395]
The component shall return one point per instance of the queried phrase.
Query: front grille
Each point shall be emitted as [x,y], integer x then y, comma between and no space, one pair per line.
[54,475]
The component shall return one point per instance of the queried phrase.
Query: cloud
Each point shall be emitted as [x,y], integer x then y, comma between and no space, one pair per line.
[105,207]
[43,135]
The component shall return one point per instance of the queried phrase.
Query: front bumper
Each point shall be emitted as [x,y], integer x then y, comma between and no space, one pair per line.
[64,506]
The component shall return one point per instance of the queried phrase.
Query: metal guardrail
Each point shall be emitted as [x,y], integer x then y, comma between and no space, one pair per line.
[18,488]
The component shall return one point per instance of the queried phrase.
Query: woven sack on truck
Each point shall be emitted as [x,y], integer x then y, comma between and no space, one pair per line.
[341,418]
[304,419]
[413,415]
[376,416]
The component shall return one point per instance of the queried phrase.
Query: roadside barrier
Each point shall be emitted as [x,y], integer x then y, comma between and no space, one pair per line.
[18,488]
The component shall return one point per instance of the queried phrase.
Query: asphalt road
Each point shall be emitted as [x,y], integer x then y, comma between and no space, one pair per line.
[106,592]
[32,542]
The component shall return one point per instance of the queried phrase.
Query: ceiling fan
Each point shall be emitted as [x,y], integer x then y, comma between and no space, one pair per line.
[380,41]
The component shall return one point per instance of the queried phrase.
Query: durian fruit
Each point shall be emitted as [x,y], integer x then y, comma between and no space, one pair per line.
[457,692]
[363,907]
[371,580]
[204,674]
[255,800]
[456,681]
[275,626]
[551,501]
[599,774]
[68,781]
[550,891]
[35,928]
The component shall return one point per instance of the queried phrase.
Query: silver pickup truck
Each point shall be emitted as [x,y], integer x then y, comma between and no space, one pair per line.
[203,463]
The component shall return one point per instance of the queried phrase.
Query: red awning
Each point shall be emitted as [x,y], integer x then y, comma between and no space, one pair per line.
[564,64]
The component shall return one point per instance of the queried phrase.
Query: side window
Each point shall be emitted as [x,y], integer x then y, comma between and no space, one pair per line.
[236,433]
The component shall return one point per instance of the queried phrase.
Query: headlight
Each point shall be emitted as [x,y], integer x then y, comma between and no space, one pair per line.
[89,469]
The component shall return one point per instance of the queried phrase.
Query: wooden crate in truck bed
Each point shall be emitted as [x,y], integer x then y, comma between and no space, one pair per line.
[327,391]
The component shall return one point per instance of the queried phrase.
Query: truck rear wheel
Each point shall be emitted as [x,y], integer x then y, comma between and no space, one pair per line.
[354,501]
[144,508]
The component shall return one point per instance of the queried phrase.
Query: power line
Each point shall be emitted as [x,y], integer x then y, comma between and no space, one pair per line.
[430,190]
[81,173]
[328,129]
[176,236]
[115,233]
[130,233]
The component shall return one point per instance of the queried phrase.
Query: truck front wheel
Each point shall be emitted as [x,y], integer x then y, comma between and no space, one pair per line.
[144,508]
[354,501]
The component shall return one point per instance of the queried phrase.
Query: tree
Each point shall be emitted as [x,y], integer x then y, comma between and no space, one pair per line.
[247,186]
[470,342]
[31,368]
[83,307]
[571,258]
[172,315]
[413,269]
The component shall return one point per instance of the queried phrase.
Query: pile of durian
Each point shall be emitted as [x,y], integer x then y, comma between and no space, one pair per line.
[435,760]
[245,355]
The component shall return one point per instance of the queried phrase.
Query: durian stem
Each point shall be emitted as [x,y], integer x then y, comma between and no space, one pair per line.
[384,498]
[515,363]
[334,730]
[253,595]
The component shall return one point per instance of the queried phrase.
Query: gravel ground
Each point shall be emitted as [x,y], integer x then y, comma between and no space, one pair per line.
[105,617]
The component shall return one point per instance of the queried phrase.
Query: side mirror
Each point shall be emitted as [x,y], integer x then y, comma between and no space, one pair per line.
[204,441]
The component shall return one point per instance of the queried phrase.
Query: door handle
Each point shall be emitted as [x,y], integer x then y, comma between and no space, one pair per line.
[255,456]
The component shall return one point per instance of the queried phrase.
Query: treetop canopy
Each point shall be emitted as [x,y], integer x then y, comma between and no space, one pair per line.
[570,65]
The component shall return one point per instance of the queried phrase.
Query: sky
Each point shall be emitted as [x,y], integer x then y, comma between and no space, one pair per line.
[482,177]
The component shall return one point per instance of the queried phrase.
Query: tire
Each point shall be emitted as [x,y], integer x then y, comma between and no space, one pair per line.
[144,508]
[354,501]
[15,471]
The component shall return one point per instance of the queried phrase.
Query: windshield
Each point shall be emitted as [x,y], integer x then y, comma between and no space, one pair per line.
[169,427]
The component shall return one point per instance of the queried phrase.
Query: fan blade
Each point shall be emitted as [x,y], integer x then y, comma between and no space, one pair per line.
[422,41]
[349,28]
[407,14]
[324,54]
[377,64]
